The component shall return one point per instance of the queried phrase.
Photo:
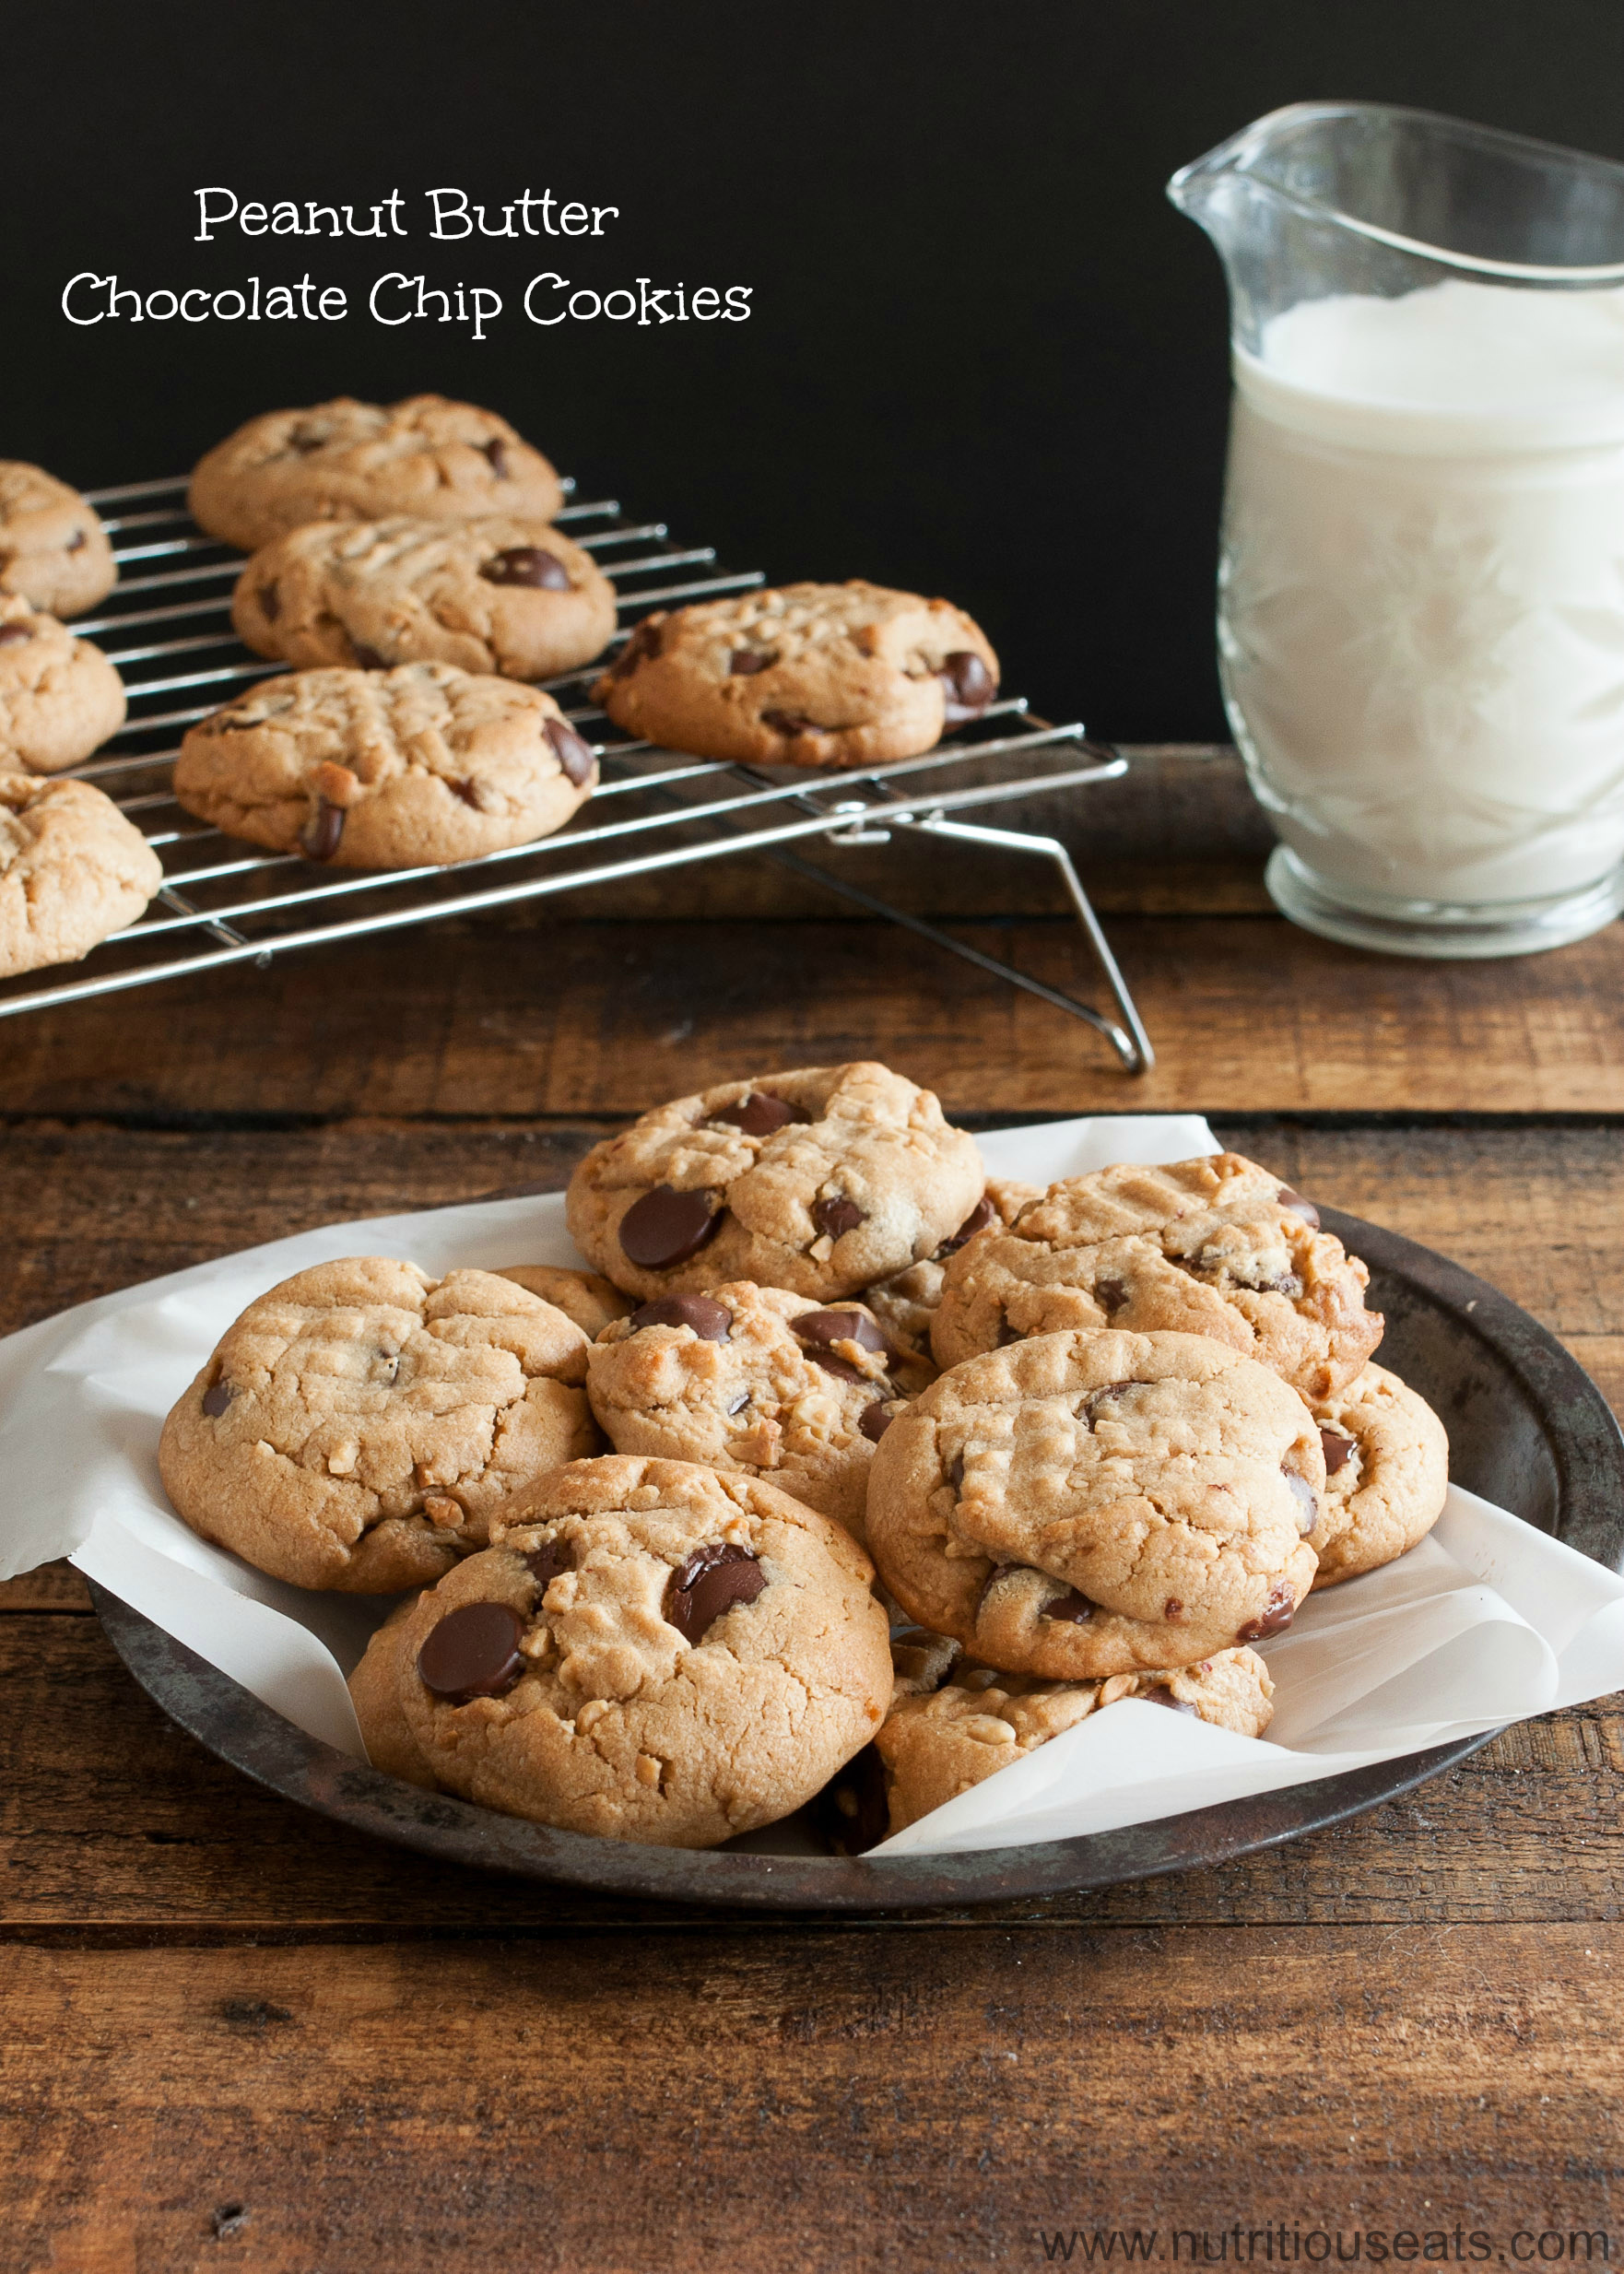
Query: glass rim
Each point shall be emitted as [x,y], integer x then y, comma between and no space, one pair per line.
[1227,156]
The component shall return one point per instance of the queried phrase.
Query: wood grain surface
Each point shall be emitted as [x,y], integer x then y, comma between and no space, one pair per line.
[236,2035]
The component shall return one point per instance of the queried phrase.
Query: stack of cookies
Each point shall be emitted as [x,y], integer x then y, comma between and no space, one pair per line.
[843,1477]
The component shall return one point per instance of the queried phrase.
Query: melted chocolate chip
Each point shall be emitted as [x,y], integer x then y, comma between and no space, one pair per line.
[78,542]
[759,1114]
[472,1652]
[1073,1608]
[837,1215]
[738,1403]
[1298,1207]
[497,452]
[666,1227]
[11,633]
[712,1322]
[466,791]
[545,1563]
[575,757]
[709,1583]
[790,722]
[527,564]
[216,1399]
[954,1471]
[830,1327]
[1096,1398]
[321,834]
[967,684]
[644,644]
[1172,1608]
[304,441]
[980,1217]
[873,1420]
[842,1368]
[745,661]
[1112,1296]
[851,1811]
[1162,1695]
[1274,1618]
[1307,1506]
[270,602]
[1336,1449]
[368,657]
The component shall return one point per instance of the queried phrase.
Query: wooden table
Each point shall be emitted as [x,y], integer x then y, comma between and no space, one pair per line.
[235,2036]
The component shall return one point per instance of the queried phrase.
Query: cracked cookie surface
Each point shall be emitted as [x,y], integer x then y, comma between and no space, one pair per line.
[805,675]
[53,551]
[1089,1504]
[649,1651]
[497,594]
[349,461]
[1216,1246]
[584,1296]
[59,698]
[819,1180]
[359,1424]
[72,870]
[1386,1474]
[402,768]
[758,1382]
[906,1303]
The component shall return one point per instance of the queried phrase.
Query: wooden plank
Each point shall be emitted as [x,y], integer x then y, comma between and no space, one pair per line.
[558,1018]
[825,2101]
[114,1825]
[54,1586]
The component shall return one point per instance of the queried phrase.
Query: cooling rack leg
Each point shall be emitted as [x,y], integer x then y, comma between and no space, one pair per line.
[1129,1041]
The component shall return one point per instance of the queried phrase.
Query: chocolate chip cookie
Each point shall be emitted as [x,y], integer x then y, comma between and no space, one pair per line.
[934,1747]
[905,1305]
[349,461]
[497,594]
[357,1425]
[648,1652]
[810,675]
[1386,1474]
[59,698]
[53,551]
[820,1180]
[416,767]
[375,1690]
[583,1296]
[1215,1246]
[1091,1503]
[72,870]
[756,1382]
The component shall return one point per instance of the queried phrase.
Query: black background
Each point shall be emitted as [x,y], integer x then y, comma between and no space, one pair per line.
[986,359]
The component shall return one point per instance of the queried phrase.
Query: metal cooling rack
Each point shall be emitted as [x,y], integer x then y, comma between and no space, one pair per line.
[223,902]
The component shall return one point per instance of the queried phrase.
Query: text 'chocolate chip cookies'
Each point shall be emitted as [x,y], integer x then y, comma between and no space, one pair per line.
[818,1180]
[808,675]
[421,765]
[650,1652]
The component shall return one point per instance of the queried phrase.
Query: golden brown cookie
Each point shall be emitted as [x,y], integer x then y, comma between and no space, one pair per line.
[357,1426]
[1386,1474]
[584,1296]
[808,675]
[72,870]
[404,769]
[350,461]
[1085,1505]
[497,594]
[1212,1246]
[375,1692]
[906,1303]
[53,551]
[59,698]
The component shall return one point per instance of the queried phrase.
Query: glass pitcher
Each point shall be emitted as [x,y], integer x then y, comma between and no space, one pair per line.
[1421,574]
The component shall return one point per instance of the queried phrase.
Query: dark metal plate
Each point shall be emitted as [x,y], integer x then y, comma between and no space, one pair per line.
[1527,1429]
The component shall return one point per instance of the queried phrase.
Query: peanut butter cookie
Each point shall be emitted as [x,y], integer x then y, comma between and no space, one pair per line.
[53,551]
[72,870]
[59,698]
[1386,1475]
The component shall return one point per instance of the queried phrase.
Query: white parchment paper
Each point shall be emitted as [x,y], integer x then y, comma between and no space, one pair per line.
[1487,1621]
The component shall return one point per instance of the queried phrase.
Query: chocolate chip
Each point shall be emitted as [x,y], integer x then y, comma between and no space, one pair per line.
[217,1398]
[78,541]
[527,564]
[321,834]
[1096,1398]
[873,1420]
[11,633]
[759,1114]
[368,657]
[1112,1296]
[738,1403]
[712,1322]
[980,1217]
[1288,1284]
[709,1583]
[644,645]
[954,1471]
[1336,1449]
[467,791]
[851,1811]
[1298,1207]
[790,722]
[1162,1695]
[666,1227]
[472,1652]
[497,452]
[545,1563]
[1073,1608]
[745,661]
[837,1215]
[1274,1618]
[1172,1608]
[842,1368]
[830,1327]
[967,684]
[270,602]
[1307,1506]
[575,757]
